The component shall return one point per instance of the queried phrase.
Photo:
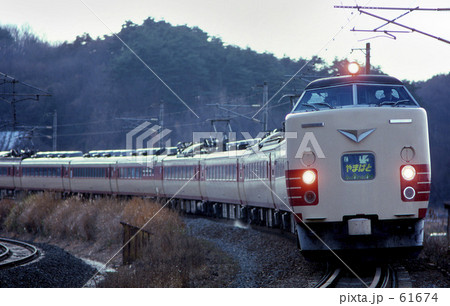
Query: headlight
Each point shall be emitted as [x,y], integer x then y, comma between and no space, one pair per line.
[309,177]
[353,68]
[408,173]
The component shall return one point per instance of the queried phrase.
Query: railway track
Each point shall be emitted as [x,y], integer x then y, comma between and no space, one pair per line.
[14,253]
[367,277]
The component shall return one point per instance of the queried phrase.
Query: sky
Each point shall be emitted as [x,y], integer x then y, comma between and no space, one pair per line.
[285,28]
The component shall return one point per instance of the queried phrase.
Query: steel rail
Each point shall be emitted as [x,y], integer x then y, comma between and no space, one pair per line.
[5,252]
[377,278]
[329,279]
[34,252]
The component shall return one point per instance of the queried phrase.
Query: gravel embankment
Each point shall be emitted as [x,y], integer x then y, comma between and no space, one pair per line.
[55,269]
[264,259]
[268,260]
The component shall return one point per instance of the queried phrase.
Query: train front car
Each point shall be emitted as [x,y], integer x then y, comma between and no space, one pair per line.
[358,166]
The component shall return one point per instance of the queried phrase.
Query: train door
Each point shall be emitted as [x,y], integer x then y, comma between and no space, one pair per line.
[113,175]
[66,178]
[200,177]
[241,179]
[17,176]
[271,175]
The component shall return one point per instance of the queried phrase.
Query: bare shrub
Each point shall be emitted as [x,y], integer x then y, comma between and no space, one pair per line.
[36,208]
[138,212]
[172,258]
[11,222]
[108,212]
[86,220]
[6,205]
[28,214]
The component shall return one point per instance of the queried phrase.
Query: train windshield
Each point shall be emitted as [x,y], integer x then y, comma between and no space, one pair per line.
[380,95]
[325,98]
[343,96]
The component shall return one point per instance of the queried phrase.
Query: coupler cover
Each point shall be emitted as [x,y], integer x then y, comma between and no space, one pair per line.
[359,226]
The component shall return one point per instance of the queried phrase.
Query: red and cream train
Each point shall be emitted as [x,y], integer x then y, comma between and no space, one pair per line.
[350,171]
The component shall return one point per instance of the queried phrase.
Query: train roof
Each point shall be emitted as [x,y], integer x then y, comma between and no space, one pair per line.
[351,79]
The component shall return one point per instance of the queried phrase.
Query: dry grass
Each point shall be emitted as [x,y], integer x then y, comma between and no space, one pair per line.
[172,259]
[43,214]
[6,205]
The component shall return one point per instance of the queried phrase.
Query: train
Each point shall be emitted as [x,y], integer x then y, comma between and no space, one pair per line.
[349,172]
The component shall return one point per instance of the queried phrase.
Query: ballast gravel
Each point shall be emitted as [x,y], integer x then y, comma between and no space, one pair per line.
[265,259]
[54,269]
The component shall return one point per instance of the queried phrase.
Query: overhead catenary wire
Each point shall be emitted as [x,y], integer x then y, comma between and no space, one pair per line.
[362,10]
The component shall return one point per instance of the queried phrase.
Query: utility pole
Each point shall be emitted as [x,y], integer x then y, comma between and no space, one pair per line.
[367,58]
[161,121]
[55,132]
[266,108]
[13,103]
[13,97]
[366,51]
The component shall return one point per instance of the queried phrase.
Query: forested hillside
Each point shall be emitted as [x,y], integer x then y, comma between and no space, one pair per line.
[434,96]
[95,82]
[98,83]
